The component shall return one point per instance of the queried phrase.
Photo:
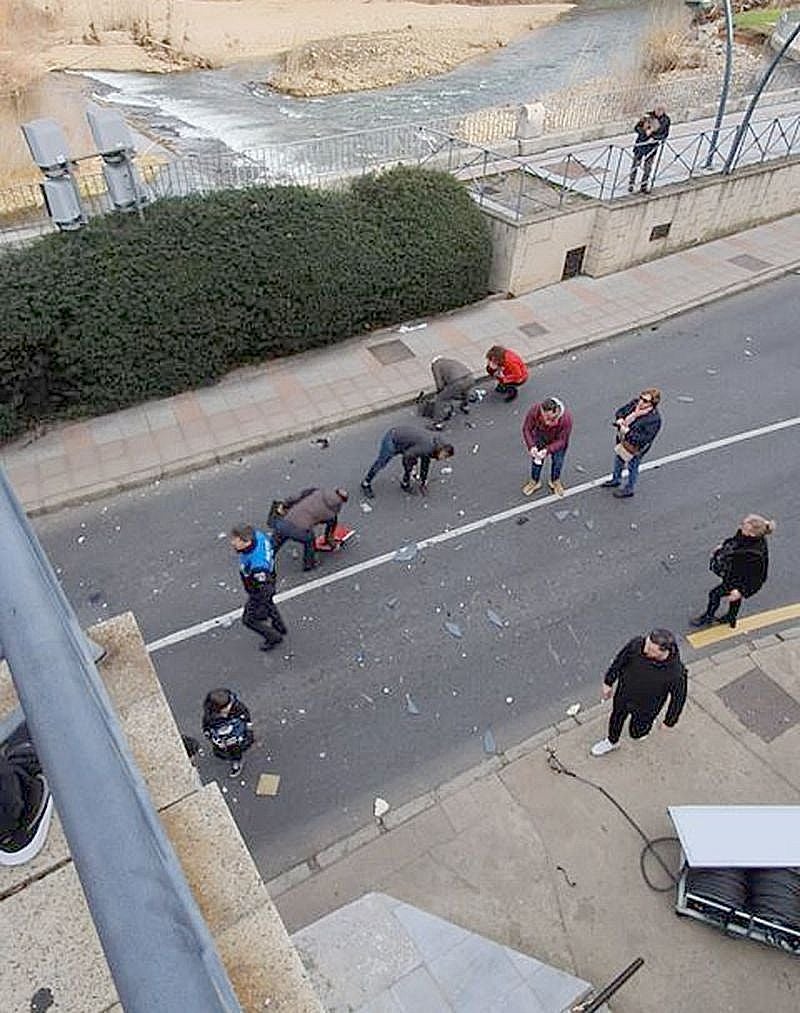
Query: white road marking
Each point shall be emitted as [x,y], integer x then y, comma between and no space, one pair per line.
[465,529]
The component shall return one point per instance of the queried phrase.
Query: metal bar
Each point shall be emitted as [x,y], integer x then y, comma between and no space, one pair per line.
[594,1002]
[159,950]
[620,155]
[729,161]
[726,83]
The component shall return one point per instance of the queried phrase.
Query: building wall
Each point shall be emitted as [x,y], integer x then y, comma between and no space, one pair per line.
[617,234]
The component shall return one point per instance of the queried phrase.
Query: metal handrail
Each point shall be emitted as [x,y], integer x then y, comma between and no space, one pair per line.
[159,950]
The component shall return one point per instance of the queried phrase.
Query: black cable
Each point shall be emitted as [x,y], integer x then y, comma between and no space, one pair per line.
[558,767]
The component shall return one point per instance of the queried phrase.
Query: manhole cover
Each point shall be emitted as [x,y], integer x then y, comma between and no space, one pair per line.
[761,704]
[391,351]
[532,329]
[750,263]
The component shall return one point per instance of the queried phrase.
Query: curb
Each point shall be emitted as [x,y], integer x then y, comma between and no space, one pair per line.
[220,455]
[540,740]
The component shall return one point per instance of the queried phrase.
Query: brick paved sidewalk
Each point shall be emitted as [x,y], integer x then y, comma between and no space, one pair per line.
[318,390]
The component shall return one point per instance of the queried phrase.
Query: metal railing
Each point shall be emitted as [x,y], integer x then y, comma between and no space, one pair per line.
[159,950]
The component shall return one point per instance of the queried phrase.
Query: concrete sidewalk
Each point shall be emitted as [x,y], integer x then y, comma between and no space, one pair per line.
[318,390]
[544,864]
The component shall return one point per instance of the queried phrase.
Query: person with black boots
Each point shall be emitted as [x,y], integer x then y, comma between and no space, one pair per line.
[647,671]
[413,446]
[257,569]
[741,562]
[508,369]
[228,727]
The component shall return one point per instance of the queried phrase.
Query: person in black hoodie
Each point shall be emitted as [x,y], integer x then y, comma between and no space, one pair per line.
[741,563]
[228,726]
[646,671]
[414,446]
[637,423]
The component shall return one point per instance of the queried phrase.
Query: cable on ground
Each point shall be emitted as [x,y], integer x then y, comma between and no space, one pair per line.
[555,764]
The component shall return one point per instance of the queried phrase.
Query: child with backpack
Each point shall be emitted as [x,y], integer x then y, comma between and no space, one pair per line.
[228,726]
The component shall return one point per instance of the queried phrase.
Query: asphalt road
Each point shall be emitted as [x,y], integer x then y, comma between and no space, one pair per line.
[571,584]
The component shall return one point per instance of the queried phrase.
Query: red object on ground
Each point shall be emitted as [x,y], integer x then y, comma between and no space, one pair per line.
[341,534]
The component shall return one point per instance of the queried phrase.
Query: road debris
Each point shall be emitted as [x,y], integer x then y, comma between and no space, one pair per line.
[406,553]
[391,603]
[489,744]
[380,807]
[268,784]
[366,697]
[685,399]
[411,707]
[573,710]
[366,508]
[509,700]
[711,372]
[523,520]
[496,619]
[323,442]
[446,470]
[412,326]
[476,447]
[561,515]
[589,525]
[454,630]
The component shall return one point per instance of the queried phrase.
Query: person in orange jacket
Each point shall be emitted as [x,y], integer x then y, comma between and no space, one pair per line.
[508,369]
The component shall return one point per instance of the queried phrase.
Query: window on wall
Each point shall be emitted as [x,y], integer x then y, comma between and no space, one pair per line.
[573,262]
[660,231]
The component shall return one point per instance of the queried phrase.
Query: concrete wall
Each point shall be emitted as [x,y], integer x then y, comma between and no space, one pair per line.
[616,234]
[51,943]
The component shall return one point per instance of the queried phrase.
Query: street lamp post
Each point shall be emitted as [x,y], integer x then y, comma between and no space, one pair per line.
[726,83]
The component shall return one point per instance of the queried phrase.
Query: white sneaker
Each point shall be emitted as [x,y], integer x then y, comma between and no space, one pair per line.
[602,747]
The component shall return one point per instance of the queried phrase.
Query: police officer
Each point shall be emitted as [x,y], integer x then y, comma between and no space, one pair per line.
[257,569]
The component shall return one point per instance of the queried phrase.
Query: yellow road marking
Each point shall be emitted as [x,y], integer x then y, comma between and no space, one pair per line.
[713,634]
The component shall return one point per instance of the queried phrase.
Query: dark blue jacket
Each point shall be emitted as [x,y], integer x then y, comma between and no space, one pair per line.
[257,563]
[643,431]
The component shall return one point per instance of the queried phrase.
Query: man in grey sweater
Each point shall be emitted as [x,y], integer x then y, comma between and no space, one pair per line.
[414,446]
[453,384]
[302,513]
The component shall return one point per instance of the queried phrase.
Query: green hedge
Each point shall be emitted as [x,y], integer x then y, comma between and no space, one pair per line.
[127,309]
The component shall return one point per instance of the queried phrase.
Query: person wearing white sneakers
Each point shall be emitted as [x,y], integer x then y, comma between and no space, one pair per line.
[546,432]
[646,671]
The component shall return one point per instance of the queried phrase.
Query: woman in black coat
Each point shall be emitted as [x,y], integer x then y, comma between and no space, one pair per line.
[741,563]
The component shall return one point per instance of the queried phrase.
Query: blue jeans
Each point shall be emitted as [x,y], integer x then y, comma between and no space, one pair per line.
[387,451]
[633,470]
[556,464]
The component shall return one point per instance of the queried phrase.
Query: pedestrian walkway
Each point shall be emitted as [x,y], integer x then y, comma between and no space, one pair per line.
[259,406]
[544,864]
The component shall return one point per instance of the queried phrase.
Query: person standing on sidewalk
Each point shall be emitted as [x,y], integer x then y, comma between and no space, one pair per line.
[228,727]
[257,569]
[453,382]
[302,513]
[741,562]
[508,369]
[637,424]
[546,432]
[646,672]
[651,131]
[414,446]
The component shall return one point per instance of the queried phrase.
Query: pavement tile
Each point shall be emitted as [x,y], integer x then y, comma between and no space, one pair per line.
[418,991]
[474,973]
[432,936]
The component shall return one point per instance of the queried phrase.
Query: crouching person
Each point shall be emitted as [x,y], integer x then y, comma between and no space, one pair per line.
[228,727]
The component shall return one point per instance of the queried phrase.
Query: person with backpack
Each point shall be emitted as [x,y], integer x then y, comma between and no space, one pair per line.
[257,571]
[741,562]
[228,727]
[295,519]
[508,369]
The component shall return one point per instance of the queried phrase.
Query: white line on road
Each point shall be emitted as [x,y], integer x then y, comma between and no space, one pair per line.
[465,529]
